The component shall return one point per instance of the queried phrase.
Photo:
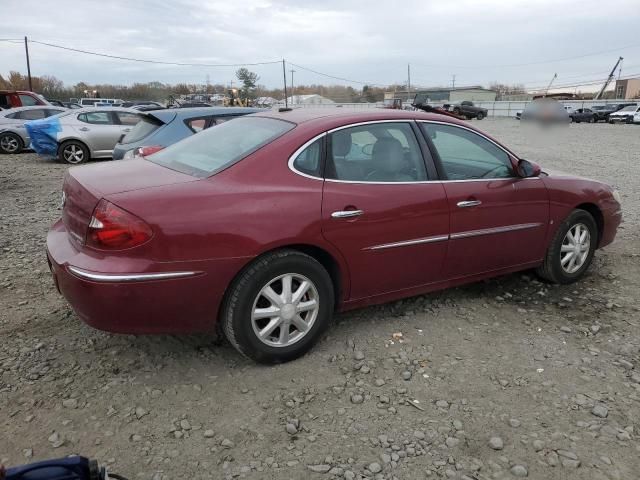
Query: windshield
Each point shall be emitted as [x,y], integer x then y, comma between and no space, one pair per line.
[629,109]
[216,148]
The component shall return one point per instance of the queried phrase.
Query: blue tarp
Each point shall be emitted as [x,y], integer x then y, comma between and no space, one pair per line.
[44,135]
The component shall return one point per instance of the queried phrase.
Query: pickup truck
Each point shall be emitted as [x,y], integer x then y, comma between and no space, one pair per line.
[469,110]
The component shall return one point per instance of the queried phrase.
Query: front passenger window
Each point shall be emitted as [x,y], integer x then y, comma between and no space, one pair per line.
[465,155]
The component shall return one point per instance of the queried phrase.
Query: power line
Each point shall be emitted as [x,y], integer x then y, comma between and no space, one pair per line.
[336,78]
[159,62]
[541,62]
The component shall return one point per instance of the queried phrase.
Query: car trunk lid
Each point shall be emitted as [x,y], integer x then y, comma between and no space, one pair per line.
[85,186]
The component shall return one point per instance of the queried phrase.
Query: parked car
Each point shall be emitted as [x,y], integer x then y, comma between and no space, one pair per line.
[77,136]
[92,102]
[270,223]
[469,110]
[582,115]
[545,110]
[13,134]
[602,112]
[636,118]
[20,98]
[624,115]
[161,128]
[139,103]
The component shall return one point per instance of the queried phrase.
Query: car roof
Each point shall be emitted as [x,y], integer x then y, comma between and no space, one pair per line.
[332,115]
[169,114]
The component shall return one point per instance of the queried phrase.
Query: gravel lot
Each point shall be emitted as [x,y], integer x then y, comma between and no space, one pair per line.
[500,379]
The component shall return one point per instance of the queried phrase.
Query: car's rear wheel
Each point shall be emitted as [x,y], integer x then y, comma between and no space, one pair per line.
[278,307]
[480,116]
[592,120]
[73,152]
[571,249]
[10,143]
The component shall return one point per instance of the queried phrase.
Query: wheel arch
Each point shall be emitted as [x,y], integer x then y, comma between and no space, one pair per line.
[336,269]
[597,215]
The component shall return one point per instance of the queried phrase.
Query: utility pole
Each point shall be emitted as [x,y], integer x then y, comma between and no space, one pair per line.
[284,77]
[293,97]
[26,50]
[408,81]
[555,75]
[453,81]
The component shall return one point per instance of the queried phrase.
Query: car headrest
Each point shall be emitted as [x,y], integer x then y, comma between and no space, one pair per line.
[387,155]
[340,144]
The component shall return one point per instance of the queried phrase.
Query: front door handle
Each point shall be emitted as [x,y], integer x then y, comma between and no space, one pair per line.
[346,213]
[469,203]
[126,129]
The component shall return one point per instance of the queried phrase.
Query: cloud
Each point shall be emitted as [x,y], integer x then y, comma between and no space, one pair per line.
[370,41]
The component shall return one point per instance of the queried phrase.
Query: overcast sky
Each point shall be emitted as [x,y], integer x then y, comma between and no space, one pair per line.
[477,40]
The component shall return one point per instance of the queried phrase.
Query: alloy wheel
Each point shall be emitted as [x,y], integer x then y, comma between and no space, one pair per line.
[285,310]
[73,154]
[9,144]
[575,248]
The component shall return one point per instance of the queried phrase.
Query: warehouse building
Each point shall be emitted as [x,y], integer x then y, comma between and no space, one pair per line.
[627,89]
[455,95]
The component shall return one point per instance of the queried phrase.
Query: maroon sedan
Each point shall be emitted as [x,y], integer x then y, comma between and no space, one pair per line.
[268,224]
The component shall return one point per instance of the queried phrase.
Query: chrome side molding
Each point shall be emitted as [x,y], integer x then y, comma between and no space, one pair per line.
[128,277]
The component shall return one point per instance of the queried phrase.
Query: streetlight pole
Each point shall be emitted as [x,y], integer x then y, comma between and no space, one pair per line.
[284,77]
[293,100]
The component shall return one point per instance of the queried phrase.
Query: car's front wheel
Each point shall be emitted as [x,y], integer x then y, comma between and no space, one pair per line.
[571,250]
[73,152]
[10,143]
[480,116]
[278,307]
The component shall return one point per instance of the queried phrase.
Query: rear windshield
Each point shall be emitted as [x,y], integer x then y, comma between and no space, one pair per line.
[142,129]
[216,148]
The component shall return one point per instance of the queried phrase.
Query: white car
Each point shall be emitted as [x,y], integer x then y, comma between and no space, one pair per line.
[636,118]
[626,115]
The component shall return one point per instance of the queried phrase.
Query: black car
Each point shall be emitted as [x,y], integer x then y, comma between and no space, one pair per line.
[602,112]
[582,115]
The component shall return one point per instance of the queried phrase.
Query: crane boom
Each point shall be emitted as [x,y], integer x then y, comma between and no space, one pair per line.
[606,84]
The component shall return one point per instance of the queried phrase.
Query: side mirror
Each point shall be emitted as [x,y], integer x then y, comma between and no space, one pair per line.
[528,169]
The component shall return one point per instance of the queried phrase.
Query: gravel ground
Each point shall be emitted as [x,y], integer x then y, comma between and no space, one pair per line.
[500,379]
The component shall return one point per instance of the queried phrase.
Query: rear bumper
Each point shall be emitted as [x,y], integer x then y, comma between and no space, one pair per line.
[139,296]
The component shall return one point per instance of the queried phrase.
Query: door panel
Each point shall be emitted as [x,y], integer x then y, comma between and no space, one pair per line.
[507,228]
[379,210]
[498,220]
[391,214]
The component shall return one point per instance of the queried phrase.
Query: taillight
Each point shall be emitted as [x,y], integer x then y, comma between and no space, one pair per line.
[142,151]
[112,228]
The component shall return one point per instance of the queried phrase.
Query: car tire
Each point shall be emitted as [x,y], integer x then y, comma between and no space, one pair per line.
[592,120]
[558,266]
[10,143]
[456,111]
[250,297]
[480,116]
[73,152]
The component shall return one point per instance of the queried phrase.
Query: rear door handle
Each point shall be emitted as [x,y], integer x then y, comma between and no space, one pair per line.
[469,203]
[346,213]
[83,129]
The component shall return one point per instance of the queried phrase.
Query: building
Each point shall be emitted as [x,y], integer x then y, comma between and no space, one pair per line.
[626,89]
[455,95]
[314,99]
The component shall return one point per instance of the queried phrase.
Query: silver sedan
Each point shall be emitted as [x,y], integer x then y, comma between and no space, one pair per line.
[13,134]
[77,136]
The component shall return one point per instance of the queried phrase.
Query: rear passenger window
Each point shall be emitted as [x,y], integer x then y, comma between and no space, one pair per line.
[34,114]
[128,119]
[376,152]
[96,118]
[196,124]
[308,161]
